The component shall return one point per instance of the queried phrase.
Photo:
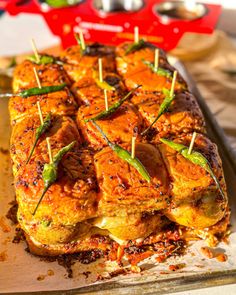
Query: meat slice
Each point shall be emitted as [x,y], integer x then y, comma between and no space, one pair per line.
[183,116]
[58,103]
[79,65]
[119,127]
[89,92]
[49,74]
[123,190]
[23,136]
[196,201]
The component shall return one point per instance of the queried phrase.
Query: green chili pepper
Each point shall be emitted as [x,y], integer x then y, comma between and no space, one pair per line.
[102,84]
[159,71]
[135,46]
[112,108]
[195,157]
[126,156]
[39,132]
[43,59]
[43,90]
[50,170]
[62,3]
[163,107]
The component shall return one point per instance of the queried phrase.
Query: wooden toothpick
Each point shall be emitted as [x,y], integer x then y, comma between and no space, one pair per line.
[136,34]
[156,60]
[133,147]
[81,36]
[100,69]
[35,51]
[192,143]
[40,112]
[37,78]
[49,150]
[106,99]
[173,84]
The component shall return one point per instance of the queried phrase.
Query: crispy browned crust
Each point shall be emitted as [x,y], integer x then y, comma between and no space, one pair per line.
[196,201]
[119,127]
[50,74]
[95,188]
[183,116]
[60,103]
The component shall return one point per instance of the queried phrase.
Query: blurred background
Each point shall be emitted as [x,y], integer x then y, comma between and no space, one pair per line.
[202,37]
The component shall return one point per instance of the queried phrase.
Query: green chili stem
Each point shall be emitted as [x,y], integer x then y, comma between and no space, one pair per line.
[32,150]
[135,46]
[40,200]
[159,71]
[112,108]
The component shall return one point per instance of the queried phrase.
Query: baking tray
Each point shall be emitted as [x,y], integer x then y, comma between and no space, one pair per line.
[149,282]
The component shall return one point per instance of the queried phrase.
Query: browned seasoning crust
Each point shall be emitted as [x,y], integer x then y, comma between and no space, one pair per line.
[98,200]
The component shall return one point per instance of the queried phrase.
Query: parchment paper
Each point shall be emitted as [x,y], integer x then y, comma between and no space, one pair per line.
[20,271]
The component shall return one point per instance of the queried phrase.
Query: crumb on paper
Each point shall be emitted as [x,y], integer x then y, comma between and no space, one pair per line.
[221,257]
[86,274]
[4,226]
[41,277]
[135,269]
[4,151]
[6,241]
[50,272]
[174,267]
[3,256]
[207,252]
